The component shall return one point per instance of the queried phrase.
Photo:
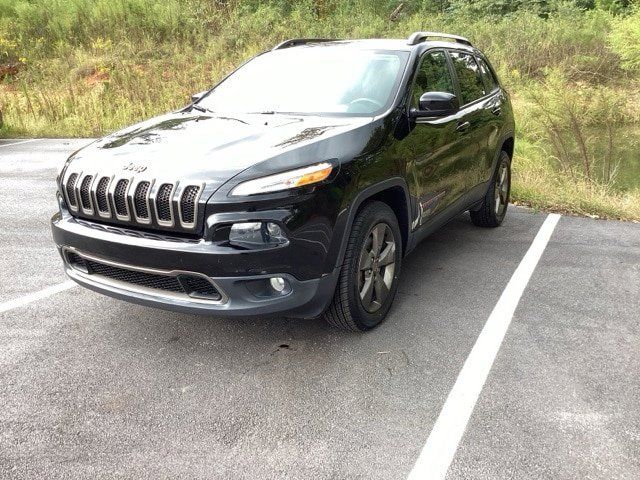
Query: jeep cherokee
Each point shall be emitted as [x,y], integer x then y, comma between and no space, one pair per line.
[295,186]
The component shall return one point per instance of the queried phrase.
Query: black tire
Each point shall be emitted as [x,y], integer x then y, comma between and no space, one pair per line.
[347,311]
[494,205]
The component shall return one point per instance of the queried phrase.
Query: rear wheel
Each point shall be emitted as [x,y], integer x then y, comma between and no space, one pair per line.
[369,276]
[494,205]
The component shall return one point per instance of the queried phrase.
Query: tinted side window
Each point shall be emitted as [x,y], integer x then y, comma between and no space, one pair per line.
[469,77]
[489,80]
[433,76]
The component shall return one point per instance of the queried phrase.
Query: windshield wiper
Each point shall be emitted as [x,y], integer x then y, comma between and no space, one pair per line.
[273,112]
[195,106]
[233,118]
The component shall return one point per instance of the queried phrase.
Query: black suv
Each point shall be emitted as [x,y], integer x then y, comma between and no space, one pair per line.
[296,185]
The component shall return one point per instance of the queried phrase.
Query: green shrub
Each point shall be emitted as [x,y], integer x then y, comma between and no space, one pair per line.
[585,129]
[625,39]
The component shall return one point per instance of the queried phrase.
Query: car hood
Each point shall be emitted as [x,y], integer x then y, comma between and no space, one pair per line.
[198,146]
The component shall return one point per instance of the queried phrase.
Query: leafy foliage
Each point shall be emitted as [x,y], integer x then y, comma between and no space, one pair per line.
[625,39]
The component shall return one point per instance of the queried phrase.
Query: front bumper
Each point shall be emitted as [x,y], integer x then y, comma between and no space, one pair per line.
[240,295]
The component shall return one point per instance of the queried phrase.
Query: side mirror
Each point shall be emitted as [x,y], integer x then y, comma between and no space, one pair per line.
[197,96]
[436,104]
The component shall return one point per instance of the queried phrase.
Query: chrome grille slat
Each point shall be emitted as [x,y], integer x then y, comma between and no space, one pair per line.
[188,204]
[102,199]
[164,204]
[120,198]
[145,201]
[141,201]
[85,194]
[70,190]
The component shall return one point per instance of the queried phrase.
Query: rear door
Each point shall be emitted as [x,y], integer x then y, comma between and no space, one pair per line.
[476,122]
[494,118]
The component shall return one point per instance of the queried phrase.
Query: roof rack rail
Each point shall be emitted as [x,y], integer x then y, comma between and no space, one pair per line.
[418,37]
[294,42]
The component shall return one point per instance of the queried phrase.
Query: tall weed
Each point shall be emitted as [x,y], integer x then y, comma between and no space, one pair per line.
[578,127]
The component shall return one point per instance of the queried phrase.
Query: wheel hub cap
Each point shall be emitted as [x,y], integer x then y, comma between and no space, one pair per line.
[376,267]
[502,188]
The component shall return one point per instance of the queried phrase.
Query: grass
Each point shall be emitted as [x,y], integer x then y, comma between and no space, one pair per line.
[88,67]
[538,185]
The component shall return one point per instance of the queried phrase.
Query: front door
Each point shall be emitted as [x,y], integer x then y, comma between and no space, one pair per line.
[434,147]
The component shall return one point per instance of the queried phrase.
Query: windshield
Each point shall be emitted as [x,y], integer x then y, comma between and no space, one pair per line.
[316,80]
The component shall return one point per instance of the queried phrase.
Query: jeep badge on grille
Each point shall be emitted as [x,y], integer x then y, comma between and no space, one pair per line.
[132,167]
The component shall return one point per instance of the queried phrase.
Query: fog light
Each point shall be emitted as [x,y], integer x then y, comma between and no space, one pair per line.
[277,283]
[248,232]
[256,234]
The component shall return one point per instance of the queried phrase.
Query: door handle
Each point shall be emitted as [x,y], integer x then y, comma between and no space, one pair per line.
[462,127]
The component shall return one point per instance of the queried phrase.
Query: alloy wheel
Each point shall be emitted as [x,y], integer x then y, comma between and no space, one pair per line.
[376,267]
[502,189]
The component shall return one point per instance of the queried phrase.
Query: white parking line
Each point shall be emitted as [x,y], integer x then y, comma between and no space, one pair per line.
[32,297]
[18,143]
[442,443]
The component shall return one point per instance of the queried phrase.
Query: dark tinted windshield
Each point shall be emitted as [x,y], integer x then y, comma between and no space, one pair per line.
[316,80]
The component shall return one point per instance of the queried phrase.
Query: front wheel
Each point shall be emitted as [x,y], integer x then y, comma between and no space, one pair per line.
[494,205]
[369,276]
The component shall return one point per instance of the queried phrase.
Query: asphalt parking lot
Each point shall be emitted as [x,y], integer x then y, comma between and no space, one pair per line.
[92,387]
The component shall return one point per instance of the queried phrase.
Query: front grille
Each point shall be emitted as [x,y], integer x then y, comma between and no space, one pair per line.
[188,203]
[101,195]
[162,205]
[140,200]
[163,202]
[120,197]
[76,260]
[142,279]
[85,192]
[71,190]
[198,286]
[185,283]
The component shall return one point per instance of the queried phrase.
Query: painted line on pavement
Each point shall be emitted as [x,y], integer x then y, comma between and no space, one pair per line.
[35,296]
[18,143]
[438,452]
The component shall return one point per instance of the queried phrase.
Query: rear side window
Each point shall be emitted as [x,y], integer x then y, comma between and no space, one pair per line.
[469,77]
[490,81]
[433,76]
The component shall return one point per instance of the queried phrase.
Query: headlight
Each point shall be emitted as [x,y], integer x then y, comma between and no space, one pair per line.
[284,181]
